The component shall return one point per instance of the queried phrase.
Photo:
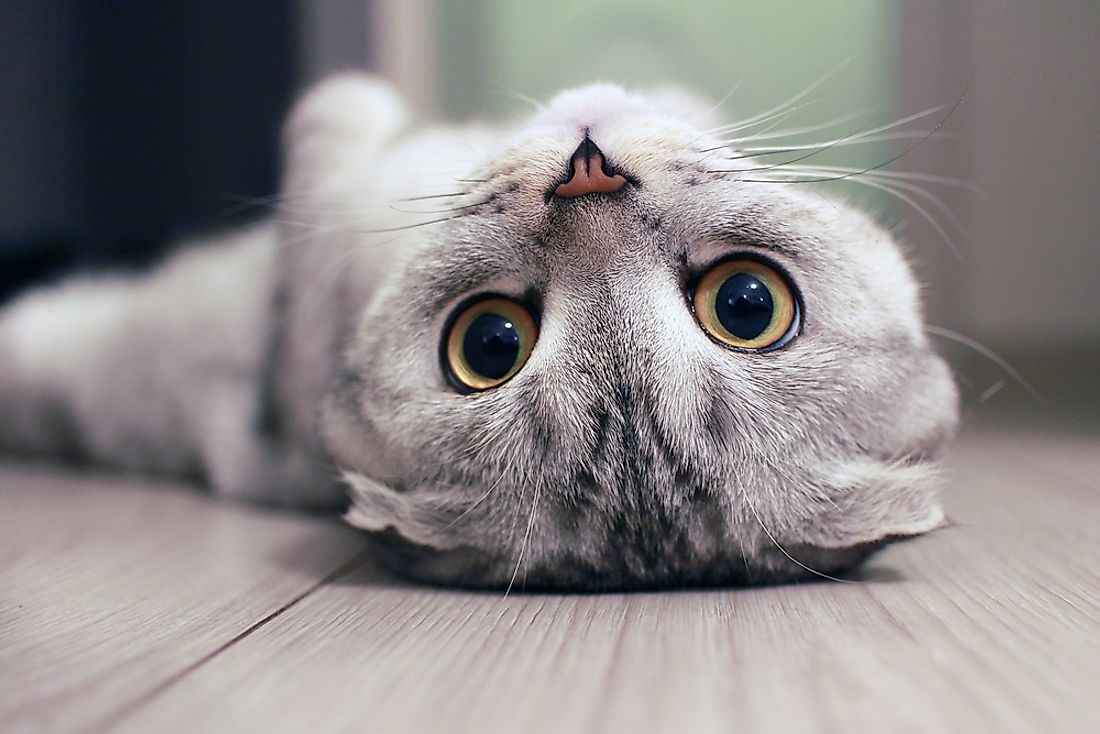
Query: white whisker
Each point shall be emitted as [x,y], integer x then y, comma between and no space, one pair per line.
[892,189]
[526,535]
[792,559]
[788,103]
[988,354]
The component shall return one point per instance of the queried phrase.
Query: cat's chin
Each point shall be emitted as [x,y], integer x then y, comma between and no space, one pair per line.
[409,540]
[415,536]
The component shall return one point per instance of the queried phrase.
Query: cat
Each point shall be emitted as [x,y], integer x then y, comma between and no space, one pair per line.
[602,347]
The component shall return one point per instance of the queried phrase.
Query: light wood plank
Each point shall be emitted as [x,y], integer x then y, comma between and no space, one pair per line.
[1075,457]
[109,587]
[989,626]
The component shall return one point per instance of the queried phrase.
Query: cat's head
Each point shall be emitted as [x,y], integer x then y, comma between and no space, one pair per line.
[631,357]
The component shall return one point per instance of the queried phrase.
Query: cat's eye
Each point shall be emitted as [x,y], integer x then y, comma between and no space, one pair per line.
[488,342]
[746,304]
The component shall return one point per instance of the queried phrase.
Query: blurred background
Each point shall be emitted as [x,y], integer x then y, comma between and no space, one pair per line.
[127,125]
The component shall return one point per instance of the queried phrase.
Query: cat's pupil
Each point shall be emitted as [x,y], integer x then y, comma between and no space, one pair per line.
[744,306]
[491,346]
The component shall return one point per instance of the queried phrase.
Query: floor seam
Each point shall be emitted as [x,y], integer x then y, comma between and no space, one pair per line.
[126,710]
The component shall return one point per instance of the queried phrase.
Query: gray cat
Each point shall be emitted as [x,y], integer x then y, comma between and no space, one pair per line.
[601,348]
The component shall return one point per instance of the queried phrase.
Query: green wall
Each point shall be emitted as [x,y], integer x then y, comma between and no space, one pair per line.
[496,51]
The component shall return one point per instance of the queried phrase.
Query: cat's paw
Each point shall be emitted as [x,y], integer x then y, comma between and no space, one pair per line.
[344,112]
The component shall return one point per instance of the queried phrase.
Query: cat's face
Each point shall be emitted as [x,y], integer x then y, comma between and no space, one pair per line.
[634,446]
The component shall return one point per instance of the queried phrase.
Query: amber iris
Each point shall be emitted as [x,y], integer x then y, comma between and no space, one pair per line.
[745,304]
[488,343]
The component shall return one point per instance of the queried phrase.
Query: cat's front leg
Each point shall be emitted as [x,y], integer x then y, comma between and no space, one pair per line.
[244,463]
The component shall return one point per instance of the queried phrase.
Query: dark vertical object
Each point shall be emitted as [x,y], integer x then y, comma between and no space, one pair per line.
[42,207]
[184,102]
[129,123]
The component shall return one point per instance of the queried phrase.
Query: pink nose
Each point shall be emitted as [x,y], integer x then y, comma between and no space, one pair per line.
[589,174]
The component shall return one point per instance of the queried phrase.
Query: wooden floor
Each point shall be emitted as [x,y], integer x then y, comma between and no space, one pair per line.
[139,608]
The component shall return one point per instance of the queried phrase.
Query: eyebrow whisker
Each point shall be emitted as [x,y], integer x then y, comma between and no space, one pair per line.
[444,211]
[416,225]
[787,104]
[434,196]
[891,188]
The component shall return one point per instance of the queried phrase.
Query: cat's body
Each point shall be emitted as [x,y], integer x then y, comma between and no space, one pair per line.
[630,449]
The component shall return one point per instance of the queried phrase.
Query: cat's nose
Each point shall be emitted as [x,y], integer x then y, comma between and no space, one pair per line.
[589,173]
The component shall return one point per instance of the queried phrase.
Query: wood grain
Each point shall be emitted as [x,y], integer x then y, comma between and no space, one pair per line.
[110,587]
[990,625]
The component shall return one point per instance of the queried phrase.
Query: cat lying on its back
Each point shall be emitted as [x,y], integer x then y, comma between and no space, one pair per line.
[600,348]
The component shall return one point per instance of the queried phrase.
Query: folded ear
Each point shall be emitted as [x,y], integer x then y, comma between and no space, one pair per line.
[420,517]
[871,501]
[349,114]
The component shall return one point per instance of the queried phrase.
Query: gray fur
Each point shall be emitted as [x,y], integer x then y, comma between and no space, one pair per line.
[631,449]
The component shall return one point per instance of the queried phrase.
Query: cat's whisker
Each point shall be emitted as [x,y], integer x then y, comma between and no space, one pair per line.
[791,479]
[892,125]
[924,213]
[991,391]
[792,132]
[776,543]
[443,211]
[509,92]
[486,441]
[725,98]
[745,557]
[477,503]
[988,354]
[415,225]
[795,131]
[296,223]
[727,129]
[317,231]
[733,126]
[920,191]
[842,142]
[775,120]
[801,95]
[891,188]
[434,196]
[313,230]
[757,151]
[737,144]
[526,536]
[885,163]
[905,175]
[779,120]
[783,164]
[744,156]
